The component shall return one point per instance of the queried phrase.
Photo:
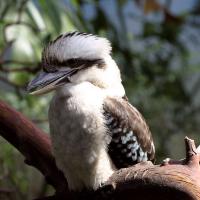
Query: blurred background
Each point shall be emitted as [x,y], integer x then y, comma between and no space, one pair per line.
[156,44]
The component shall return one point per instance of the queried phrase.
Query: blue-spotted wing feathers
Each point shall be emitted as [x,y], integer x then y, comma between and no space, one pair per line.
[131,141]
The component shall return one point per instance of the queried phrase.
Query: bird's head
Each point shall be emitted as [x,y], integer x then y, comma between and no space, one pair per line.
[74,58]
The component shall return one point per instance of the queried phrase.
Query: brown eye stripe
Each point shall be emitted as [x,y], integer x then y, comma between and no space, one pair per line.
[53,64]
[82,62]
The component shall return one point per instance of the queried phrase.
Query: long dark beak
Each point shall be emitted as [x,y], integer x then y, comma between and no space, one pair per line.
[45,82]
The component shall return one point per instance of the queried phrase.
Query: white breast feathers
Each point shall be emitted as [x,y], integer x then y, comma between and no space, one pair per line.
[79,136]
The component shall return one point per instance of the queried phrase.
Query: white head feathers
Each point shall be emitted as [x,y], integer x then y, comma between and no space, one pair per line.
[77,45]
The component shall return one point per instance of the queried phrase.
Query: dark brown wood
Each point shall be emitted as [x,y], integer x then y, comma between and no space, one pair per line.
[174,180]
[33,143]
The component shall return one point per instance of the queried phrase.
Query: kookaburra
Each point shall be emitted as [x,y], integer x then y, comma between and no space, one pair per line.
[93,127]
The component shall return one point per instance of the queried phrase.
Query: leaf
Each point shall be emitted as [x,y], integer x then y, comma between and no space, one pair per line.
[51,11]
[19,78]
[35,15]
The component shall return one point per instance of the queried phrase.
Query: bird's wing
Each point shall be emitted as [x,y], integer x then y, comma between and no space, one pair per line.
[131,138]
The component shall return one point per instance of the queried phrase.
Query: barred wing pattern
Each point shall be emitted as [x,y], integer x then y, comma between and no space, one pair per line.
[131,141]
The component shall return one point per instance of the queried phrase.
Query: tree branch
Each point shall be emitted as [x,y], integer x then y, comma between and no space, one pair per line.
[33,143]
[172,180]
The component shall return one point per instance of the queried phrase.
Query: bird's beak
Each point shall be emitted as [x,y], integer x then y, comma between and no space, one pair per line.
[45,82]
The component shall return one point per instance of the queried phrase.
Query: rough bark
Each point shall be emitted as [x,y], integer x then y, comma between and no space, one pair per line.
[144,181]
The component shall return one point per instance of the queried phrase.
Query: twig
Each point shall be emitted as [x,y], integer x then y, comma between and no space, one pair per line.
[16,86]
[6,190]
[17,62]
[20,10]
[21,69]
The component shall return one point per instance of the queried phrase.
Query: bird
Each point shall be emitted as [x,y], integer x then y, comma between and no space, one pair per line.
[94,129]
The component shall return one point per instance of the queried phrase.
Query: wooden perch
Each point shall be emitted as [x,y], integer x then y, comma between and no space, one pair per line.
[33,143]
[171,180]
[174,180]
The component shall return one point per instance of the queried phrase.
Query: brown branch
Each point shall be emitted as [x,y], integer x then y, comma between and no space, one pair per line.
[32,143]
[172,180]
